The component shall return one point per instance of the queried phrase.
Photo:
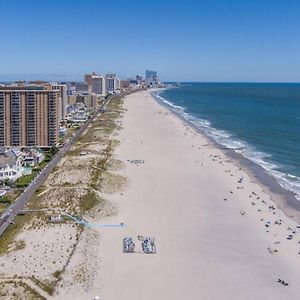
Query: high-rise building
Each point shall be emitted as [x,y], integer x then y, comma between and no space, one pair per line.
[29,116]
[89,100]
[150,74]
[64,98]
[112,83]
[98,85]
[81,87]
[62,93]
[88,79]
[118,83]
[152,77]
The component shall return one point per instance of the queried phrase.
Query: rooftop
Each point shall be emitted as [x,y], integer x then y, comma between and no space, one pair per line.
[5,160]
[25,89]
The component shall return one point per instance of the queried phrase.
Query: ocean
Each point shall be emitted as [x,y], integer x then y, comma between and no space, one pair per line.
[261,121]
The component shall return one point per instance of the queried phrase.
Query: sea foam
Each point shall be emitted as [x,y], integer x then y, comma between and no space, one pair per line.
[224,138]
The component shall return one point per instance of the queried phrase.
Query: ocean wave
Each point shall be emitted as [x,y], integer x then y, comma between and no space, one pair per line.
[168,102]
[224,138]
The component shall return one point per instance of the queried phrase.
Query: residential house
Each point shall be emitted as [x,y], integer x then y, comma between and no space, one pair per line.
[10,165]
[32,158]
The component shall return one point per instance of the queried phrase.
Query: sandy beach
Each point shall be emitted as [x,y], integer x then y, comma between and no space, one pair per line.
[218,234]
[217,237]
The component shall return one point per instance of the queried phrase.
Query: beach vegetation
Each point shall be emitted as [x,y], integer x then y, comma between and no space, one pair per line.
[89,200]
[9,235]
[75,200]
[46,285]
[23,290]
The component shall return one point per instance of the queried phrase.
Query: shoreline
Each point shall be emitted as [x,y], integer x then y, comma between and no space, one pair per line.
[216,235]
[285,199]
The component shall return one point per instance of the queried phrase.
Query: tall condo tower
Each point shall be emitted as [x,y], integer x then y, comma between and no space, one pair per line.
[29,116]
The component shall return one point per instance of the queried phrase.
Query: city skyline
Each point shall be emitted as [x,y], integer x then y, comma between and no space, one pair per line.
[207,41]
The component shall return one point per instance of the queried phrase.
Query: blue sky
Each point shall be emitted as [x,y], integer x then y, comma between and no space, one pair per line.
[183,40]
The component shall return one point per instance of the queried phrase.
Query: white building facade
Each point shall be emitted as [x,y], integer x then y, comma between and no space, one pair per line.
[10,168]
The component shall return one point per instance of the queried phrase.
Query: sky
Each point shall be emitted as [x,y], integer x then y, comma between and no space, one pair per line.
[221,40]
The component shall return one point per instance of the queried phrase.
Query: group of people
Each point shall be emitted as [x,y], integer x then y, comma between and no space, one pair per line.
[282,282]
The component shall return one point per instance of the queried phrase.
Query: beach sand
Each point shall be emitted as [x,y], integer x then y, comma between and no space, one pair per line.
[217,232]
[212,236]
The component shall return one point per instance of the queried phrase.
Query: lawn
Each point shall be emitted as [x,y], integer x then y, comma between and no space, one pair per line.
[24,181]
[8,199]
[2,207]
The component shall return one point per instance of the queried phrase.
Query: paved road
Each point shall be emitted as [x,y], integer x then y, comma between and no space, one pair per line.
[11,212]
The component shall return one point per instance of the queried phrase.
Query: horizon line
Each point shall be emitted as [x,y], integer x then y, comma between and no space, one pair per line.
[70,78]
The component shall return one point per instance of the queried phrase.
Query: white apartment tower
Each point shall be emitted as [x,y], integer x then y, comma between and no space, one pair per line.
[112,83]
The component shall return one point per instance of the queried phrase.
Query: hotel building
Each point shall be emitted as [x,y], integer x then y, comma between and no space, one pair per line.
[29,116]
[112,83]
[88,79]
[98,85]
[152,77]
[150,74]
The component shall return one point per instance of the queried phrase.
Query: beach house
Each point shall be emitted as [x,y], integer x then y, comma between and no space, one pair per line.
[10,164]
[33,157]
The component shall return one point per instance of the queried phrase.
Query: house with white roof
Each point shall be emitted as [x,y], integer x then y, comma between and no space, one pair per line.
[10,164]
